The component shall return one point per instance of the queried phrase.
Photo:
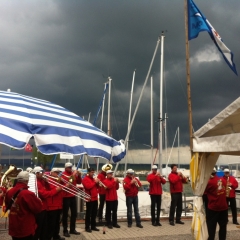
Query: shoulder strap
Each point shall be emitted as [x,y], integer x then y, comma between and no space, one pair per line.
[13,199]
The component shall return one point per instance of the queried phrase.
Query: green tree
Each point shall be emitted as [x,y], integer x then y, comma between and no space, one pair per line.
[41,159]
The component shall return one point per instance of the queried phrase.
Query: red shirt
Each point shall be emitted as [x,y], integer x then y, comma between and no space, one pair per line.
[131,190]
[155,184]
[234,185]
[112,187]
[45,191]
[101,176]
[216,193]
[55,202]
[176,182]
[76,179]
[90,187]
[22,221]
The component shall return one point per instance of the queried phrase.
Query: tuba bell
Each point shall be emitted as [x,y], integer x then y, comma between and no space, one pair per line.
[12,172]
[107,167]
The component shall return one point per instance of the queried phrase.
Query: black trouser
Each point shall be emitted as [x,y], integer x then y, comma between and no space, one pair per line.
[233,207]
[23,238]
[91,214]
[205,202]
[176,204]
[111,212]
[101,205]
[41,220]
[53,226]
[69,202]
[155,200]
[213,218]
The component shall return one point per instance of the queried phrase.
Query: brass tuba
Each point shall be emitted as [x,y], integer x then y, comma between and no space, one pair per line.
[107,167]
[12,172]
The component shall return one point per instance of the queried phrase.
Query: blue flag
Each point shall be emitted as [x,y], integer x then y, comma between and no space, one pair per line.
[197,22]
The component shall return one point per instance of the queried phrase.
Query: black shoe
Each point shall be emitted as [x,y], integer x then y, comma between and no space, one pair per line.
[88,230]
[154,224]
[75,232]
[95,229]
[139,225]
[110,226]
[66,234]
[129,225]
[172,223]
[158,224]
[116,226]
[236,223]
[179,222]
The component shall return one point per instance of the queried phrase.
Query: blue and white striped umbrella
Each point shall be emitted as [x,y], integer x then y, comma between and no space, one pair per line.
[54,128]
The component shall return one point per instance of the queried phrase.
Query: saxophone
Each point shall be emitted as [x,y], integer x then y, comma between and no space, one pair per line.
[228,188]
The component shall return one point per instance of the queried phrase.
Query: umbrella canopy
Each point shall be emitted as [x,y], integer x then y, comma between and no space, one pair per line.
[54,128]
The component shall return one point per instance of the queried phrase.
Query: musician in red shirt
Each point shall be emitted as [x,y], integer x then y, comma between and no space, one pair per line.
[69,200]
[44,192]
[102,191]
[155,191]
[90,185]
[131,185]
[54,208]
[176,180]
[232,184]
[23,210]
[217,207]
[112,185]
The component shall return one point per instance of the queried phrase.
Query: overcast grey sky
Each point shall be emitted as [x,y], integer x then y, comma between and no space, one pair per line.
[63,51]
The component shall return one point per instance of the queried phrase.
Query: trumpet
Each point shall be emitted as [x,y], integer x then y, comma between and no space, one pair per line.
[55,181]
[100,183]
[136,182]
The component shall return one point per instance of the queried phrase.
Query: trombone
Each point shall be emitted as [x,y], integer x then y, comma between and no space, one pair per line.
[73,190]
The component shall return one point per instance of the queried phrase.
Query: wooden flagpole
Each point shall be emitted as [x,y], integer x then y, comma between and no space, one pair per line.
[189,100]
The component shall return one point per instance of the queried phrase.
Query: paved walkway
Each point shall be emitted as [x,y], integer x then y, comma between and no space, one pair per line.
[148,232]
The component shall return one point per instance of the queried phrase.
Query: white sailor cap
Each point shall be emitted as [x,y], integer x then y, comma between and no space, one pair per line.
[23,176]
[55,170]
[226,170]
[154,166]
[37,169]
[109,171]
[130,171]
[68,164]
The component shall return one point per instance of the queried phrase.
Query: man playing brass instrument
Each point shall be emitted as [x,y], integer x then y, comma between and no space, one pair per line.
[69,200]
[44,191]
[102,191]
[155,192]
[112,185]
[23,205]
[232,184]
[54,210]
[131,185]
[90,185]
[176,180]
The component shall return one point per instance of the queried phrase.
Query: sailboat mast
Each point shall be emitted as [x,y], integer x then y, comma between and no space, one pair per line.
[151,122]
[188,79]
[178,147]
[140,97]
[109,132]
[129,121]
[165,133]
[161,102]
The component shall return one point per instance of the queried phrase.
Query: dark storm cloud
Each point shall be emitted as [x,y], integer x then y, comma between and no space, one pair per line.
[63,51]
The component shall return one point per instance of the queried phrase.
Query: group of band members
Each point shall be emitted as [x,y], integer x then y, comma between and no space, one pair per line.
[219,193]
[43,213]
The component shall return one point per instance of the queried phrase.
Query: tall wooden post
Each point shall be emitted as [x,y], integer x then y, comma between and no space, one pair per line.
[189,100]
